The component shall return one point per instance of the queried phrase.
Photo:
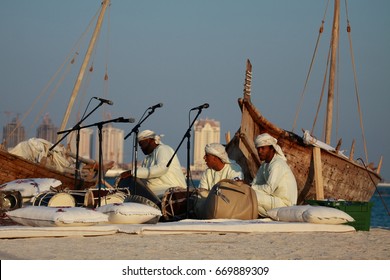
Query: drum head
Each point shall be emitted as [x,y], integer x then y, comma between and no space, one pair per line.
[62,200]
[52,199]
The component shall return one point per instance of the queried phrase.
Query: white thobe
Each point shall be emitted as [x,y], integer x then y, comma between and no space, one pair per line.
[211,177]
[275,185]
[158,176]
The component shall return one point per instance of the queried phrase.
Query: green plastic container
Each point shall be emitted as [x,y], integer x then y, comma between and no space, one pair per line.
[360,211]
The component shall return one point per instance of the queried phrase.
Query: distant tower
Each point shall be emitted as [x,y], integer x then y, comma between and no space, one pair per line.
[206,132]
[13,133]
[85,145]
[112,144]
[47,130]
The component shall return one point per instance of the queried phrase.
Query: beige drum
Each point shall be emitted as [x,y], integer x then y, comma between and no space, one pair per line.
[92,197]
[174,204]
[53,199]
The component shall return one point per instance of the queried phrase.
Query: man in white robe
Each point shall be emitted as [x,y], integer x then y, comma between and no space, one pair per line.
[219,166]
[274,184]
[154,173]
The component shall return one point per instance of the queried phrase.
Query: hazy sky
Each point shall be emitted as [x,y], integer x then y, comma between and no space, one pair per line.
[186,53]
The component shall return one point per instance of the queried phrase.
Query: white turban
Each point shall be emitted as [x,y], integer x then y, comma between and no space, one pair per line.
[267,140]
[148,134]
[217,150]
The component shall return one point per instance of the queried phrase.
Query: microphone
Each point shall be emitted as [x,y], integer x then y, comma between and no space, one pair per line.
[109,102]
[204,106]
[156,106]
[123,120]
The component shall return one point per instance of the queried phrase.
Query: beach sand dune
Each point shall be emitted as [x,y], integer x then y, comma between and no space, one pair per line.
[361,245]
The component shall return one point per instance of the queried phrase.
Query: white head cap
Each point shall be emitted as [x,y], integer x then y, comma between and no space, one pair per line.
[267,140]
[217,150]
[149,134]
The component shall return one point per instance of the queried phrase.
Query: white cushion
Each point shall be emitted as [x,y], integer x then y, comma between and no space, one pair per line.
[30,187]
[130,213]
[326,215]
[310,214]
[288,214]
[42,216]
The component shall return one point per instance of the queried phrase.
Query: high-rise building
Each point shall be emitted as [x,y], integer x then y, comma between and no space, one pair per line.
[206,131]
[112,144]
[47,130]
[85,144]
[13,133]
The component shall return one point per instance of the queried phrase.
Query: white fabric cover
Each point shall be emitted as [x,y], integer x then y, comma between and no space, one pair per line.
[310,140]
[130,213]
[31,186]
[35,149]
[42,216]
[310,214]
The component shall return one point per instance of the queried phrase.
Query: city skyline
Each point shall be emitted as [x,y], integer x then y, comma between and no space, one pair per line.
[205,131]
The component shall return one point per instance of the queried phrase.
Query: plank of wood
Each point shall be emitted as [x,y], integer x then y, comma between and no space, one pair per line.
[318,180]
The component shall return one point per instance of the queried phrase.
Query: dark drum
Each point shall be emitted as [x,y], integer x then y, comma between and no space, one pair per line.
[174,204]
[10,200]
[54,199]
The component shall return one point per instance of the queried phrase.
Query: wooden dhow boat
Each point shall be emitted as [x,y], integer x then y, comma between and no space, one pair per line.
[14,167]
[322,172]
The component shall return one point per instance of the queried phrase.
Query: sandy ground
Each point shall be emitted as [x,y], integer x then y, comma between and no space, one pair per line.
[361,245]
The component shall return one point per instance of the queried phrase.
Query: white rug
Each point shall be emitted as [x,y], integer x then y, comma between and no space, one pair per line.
[181,227]
[230,226]
[26,232]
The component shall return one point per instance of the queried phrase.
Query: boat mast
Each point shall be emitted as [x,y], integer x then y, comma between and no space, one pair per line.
[332,71]
[87,57]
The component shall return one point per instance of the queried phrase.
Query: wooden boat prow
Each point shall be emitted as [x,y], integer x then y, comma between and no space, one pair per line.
[15,167]
[343,178]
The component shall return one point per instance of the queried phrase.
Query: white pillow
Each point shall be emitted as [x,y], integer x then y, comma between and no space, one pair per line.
[310,214]
[130,213]
[30,187]
[42,216]
[288,214]
[326,215]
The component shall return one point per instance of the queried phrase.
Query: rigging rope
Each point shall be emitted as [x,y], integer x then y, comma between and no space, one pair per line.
[107,52]
[355,82]
[50,82]
[322,93]
[310,68]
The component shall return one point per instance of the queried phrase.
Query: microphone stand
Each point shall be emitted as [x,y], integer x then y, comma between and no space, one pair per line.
[188,136]
[135,130]
[76,127]
[99,125]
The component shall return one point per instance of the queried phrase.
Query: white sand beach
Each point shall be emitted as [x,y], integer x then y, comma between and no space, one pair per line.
[360,245]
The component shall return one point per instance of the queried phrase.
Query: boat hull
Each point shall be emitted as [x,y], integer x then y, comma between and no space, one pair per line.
[342,178]
[13,167]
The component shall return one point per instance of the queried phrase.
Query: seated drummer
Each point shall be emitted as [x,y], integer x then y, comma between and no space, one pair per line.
[154,177]
[219,166]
